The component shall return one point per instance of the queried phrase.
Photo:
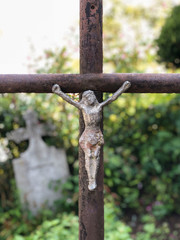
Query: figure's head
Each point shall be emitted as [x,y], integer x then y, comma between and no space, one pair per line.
[89,98]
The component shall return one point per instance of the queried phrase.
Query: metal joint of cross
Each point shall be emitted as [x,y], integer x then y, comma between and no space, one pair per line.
[91,203]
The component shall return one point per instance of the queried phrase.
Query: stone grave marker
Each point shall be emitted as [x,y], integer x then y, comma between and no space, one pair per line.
[40,168]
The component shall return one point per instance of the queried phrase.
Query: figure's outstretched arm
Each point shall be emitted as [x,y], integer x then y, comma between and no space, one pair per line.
[122,89]
[56,89]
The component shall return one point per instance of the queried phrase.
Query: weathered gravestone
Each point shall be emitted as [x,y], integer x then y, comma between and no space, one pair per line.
[40,168]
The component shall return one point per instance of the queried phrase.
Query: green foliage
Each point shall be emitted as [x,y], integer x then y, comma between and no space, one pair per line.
[64,227]
[114,228]
[70,190]
[169,40]
[17,226]
[142,155]
[60,226]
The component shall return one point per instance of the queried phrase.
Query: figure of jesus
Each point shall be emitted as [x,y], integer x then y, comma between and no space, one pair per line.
[91,139]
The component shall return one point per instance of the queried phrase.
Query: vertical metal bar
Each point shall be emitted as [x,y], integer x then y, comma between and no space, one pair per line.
[91,204]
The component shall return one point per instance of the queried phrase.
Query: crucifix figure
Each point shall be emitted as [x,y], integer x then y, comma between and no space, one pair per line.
[92,138]
[91,203]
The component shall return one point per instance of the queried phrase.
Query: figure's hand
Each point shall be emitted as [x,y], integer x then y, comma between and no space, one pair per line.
[126,85]
[56,88]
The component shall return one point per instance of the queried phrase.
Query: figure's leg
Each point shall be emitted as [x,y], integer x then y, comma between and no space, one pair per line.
[97,152]
[89,164]
[92,164]
[88,159]
[92,158]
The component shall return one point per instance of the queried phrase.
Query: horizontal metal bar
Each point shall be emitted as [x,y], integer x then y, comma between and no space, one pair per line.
[73,83]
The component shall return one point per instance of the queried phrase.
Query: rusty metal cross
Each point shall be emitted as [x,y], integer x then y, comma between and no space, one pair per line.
[91,205]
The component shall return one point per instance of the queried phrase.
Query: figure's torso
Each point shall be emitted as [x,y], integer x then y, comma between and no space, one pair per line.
[92,116]
[92,134]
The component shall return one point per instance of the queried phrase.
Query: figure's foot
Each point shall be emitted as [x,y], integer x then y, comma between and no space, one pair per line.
[92,186]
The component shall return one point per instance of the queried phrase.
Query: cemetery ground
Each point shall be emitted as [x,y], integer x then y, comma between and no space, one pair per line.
[141,154]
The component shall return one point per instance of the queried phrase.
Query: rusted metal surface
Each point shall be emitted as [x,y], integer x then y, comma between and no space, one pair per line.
[42,83]
[91,203]
[91,53]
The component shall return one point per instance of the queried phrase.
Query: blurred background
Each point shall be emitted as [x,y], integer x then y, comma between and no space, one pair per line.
[142,131]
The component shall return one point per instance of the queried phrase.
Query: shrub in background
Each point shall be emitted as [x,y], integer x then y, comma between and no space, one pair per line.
[169,40]
[142,153]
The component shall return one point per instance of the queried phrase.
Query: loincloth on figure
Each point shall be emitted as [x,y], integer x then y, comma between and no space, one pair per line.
[91,138]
